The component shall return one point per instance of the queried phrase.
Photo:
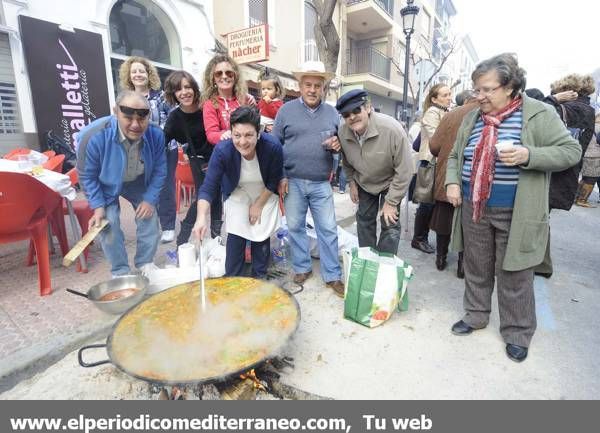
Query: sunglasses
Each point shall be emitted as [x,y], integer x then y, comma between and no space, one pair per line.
[128,111]
[228,74]
[356,111]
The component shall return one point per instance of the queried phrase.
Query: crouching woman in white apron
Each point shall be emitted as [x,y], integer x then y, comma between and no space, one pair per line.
[248,167]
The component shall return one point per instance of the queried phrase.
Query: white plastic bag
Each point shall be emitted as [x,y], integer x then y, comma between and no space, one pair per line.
[346,240]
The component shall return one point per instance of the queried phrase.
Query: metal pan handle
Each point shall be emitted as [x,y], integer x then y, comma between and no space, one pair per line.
[93,364]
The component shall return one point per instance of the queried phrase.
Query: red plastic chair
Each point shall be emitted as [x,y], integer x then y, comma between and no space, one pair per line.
[14,154]
[55,163]
[49,153]
[26,206]
[184,182]
[57,221]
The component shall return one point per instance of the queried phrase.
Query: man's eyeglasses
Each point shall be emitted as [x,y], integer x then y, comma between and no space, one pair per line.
[228,74]
[356,111]
[484,91]
[128,111]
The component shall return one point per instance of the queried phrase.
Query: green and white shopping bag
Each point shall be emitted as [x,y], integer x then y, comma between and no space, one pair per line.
[376,283]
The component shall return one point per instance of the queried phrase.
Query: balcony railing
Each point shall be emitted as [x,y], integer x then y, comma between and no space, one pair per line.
[386,5]
[368,61]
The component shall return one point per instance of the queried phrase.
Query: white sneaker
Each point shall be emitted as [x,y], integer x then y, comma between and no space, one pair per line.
[147,268]
[167,236]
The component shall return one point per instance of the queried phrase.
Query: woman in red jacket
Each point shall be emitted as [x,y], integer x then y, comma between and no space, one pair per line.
[224,91]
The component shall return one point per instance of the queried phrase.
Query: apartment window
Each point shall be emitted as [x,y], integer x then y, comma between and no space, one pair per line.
[258,12]
[310,43]
[140,28]
[425,23]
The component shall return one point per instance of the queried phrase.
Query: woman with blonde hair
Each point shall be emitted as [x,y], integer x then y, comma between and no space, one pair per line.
[140,75]
[436,105]
[224,91]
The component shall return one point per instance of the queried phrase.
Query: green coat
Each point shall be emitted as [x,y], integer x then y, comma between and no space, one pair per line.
[551,148]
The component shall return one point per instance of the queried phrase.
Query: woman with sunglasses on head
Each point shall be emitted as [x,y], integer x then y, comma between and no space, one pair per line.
[497,179]
[185,125]
[138,74]
[224,91]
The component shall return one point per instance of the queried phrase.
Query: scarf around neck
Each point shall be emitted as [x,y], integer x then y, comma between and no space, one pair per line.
[484,157]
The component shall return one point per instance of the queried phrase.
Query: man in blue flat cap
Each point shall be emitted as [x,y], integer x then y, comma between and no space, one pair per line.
[378,166]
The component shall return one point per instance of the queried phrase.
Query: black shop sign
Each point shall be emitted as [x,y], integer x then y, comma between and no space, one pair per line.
[67,77]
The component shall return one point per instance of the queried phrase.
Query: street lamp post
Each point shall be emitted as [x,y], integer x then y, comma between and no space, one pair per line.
[408,13]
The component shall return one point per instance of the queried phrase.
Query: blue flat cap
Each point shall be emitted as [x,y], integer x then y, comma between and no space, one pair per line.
[350,100]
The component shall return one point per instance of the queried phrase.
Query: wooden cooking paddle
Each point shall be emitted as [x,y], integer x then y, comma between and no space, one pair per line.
[72,255]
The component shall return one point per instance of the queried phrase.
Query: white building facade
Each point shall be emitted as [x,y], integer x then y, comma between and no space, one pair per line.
[173,34]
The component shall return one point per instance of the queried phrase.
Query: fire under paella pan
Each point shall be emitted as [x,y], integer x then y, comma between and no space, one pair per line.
[168,339]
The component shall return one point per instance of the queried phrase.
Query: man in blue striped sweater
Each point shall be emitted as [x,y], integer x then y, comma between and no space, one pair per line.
[307,128]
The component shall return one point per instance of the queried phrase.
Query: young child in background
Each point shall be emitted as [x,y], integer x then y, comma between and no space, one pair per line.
[272,98]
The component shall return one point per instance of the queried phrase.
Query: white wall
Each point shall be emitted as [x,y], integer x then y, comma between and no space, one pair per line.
[192,19]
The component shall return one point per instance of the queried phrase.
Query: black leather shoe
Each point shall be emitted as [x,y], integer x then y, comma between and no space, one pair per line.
[544,274]
[516,353]
[440,262]
[422,246]
[461,328]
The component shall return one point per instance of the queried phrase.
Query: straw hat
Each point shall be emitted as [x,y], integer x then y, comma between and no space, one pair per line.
[313,69]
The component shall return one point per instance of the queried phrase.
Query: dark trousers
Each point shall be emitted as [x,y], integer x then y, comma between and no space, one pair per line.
[167,213]
[422,220]
[441,245]
[199,166]
[366,223]
[234,256]
[485,246]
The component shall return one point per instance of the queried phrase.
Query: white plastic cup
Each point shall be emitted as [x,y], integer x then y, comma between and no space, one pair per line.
[24,163]
[504,145]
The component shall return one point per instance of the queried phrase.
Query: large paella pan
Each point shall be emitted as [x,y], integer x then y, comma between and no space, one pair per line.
[169,339]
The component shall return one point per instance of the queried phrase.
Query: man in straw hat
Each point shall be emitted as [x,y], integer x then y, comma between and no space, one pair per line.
[307,128]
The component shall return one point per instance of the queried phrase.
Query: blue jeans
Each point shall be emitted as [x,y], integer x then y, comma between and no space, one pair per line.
[166,203]
[318,196]
[147,232]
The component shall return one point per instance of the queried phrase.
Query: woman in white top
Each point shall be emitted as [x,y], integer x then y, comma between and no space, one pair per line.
[248,167]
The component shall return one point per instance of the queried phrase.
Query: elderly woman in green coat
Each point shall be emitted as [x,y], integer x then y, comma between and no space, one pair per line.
[497,179]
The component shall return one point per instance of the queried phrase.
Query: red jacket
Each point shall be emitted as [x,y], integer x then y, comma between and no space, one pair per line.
[269,109]
[216,120]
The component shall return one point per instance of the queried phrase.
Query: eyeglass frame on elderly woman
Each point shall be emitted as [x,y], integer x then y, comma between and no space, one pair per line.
[228,74]
[354,111]
[485,92]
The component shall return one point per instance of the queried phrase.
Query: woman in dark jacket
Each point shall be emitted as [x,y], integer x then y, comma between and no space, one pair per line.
[440,146]
[247,168]
[185,125]
[578,115]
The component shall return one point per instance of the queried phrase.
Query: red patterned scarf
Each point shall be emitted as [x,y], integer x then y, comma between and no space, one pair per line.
[484,157]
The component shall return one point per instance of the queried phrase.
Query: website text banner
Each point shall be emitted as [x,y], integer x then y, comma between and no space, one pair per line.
[300,416]
[67,76]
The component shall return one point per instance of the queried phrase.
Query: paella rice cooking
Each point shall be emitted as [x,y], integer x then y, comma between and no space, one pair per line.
[169,338]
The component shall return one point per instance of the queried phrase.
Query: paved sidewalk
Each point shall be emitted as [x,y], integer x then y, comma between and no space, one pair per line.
[411,356]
